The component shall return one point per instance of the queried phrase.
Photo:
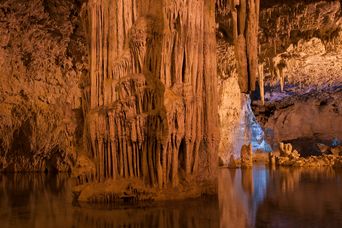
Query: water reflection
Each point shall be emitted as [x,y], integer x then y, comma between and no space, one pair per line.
[280,197]
[258,197]
[194,213]
[29,200]
[302,198]
[240,192]
[34,200]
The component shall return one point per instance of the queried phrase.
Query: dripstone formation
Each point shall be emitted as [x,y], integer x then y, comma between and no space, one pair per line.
[123,92]
[150,105]
[244,22]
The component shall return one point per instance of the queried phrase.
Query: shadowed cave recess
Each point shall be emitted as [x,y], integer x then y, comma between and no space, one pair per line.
[144,99]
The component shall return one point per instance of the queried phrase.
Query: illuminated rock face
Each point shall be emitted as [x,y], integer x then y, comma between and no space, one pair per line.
[315,116]
[299,48]
[289,31]
[244,24]
[150,107]
[285,24]
[42,57]
[149,101]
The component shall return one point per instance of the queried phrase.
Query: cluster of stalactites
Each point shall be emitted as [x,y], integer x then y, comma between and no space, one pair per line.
[133,139]
[153,112]
[223,6]
[245,17]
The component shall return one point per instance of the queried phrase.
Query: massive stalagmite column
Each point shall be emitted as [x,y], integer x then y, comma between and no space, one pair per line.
[153,110]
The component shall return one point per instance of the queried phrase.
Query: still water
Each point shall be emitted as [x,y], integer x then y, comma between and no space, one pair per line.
[260,197]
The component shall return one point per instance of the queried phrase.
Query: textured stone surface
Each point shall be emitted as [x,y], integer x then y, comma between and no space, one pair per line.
[300,47]
[152,112]
[286,32]
[282,25]
[41,61]
[306,116]
[243,23]
[134,95]
[246,156]
[230,111]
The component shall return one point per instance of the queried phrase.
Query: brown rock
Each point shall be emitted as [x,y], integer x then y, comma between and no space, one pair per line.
[246,156]
[337,150]
[39,84]
[152,112]
[271,159]
[323,148]
[232,163]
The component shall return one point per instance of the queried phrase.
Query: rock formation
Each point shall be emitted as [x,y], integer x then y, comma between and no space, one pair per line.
[286,150]
[124,90]
[287,156]
[334,150]
[261,83]
[299,51]
[313,115]
[42,60]
[284,24]
[244,16]
[246,156]
[287,23]
[150,105]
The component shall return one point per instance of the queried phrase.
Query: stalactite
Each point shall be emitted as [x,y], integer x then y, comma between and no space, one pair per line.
[279,64]
[281,78]
[245,18]
[252,41]
[261,83]
[152,85]
[223,6]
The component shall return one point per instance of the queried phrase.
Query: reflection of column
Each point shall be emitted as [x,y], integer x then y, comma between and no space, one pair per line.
[232,213]
[247,181]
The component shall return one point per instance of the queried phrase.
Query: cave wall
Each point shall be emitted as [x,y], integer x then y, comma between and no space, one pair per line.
[303,40]
[285,24]
[153,70]
[282,23]
[42,57]
[150,105]
[307,49]
[312,117]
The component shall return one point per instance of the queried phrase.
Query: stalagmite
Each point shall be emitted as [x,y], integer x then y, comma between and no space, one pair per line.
[246,156]
[153,108]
